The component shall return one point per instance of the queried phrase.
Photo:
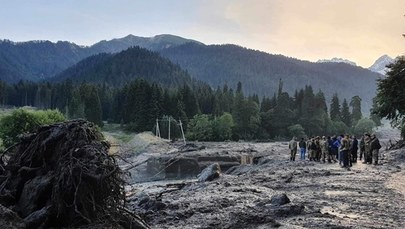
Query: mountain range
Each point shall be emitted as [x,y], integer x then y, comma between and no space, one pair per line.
[380,65]
[39,60]
[337,60]
[217,65]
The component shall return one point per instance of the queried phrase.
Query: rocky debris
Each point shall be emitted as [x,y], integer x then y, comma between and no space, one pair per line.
[190,147]
[210,173]
[323,195]
[62,176]
[398,145]
[280,199]
[147,203]
[247,150]
[10,219]
[251,219]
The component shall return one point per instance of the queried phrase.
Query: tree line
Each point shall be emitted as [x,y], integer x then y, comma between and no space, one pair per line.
[207,114]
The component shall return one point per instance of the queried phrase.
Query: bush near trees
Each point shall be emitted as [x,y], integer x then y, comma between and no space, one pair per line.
[205,128]
[364,125]
[296,130]
[22,121]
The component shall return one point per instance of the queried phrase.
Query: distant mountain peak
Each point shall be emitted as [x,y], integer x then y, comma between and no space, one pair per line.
[380,64]
[337,60]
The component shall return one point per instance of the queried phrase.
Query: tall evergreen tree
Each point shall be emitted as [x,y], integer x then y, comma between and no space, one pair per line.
[335,114]
[345,114]
[321,101]
[374,114]
[355,103]
[280,87]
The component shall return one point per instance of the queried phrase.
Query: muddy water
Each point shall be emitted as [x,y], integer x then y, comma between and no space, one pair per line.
[322,195]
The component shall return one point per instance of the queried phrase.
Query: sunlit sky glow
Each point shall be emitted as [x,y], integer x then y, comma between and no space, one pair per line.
[358,30]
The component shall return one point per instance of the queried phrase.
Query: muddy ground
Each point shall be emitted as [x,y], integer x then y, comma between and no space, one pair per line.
[322,195]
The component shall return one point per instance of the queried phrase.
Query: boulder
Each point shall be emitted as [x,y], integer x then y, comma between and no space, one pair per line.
[210,173]
[280,199]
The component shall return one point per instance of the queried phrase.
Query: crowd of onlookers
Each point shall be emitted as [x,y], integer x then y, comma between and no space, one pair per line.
[343,149]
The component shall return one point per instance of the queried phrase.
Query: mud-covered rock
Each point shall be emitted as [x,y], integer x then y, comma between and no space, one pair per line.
[210,173]
[147,203]
[280,199]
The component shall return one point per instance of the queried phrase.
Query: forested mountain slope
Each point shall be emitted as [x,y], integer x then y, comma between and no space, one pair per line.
[260,72]
[126,66]
[38,60]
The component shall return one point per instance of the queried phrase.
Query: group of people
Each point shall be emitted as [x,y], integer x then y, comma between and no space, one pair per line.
[341,148]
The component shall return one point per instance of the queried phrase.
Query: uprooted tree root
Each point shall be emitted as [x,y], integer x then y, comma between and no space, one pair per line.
[62,176]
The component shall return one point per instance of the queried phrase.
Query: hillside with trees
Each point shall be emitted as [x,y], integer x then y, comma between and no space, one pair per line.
[206,114]
[126,66]
[38,60]
[259,72]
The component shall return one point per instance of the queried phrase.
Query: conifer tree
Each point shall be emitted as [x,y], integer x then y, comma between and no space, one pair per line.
[335,108]
[355,103]
[345,114]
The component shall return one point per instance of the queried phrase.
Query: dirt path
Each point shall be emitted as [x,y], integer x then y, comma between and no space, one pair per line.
[322,196]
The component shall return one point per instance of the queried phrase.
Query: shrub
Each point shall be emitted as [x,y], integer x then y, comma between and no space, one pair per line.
[364,125]
[22,121]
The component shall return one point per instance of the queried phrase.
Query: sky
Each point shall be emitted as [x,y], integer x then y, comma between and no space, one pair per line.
[358,30]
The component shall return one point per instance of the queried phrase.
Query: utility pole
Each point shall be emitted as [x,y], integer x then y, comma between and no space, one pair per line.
[169,128]
[182,132]
[157,128]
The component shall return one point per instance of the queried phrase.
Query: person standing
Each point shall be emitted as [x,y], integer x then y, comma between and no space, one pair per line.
[335,148]
[293,147]
[338,144]
[303,147]
[331,154]
[325,149]
[375,147]
[345,147]
[367,149]
[313,149]
[362,148]
[354,147]
[318,148]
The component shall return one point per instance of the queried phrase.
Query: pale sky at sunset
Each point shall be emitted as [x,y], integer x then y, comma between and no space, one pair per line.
[358,30]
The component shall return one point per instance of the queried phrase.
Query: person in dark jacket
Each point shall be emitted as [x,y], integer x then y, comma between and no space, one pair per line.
[345,149]
[335,148]
[362,145]
[332,155]
[303,148]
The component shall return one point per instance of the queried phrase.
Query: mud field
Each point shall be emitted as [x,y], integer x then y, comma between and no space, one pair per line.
[321,195]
